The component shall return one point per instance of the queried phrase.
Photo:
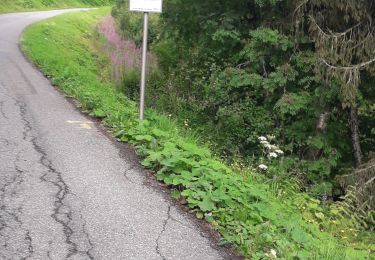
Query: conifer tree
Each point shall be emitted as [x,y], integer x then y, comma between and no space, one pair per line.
[344,36]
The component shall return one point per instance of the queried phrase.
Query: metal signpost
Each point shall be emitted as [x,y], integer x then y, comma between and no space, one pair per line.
[145,6]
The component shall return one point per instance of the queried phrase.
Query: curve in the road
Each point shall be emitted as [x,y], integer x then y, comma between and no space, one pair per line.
[66,189]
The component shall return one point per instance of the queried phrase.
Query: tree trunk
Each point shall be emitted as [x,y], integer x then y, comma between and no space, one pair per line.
[354,127]
[321,125]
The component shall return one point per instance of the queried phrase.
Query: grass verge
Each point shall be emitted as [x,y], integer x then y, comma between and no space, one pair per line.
[263,220]
[7,6]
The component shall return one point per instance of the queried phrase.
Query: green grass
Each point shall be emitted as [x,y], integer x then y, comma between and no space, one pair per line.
[252,213]
[7,6]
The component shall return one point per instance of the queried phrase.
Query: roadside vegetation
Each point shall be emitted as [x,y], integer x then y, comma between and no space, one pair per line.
[258,205]
[7,6]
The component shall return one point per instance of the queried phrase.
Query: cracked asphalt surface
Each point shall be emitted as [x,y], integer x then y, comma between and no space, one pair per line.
[67,190]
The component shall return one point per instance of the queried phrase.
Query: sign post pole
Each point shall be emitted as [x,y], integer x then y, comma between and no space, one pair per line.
[144,62]
[145,6]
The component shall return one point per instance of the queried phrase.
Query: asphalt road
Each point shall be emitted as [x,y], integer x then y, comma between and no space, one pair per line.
[67,191]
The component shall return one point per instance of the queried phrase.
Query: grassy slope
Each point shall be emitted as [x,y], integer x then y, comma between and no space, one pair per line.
[29,5]
[254,216]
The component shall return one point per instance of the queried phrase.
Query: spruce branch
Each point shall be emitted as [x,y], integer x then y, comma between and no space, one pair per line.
[352,67]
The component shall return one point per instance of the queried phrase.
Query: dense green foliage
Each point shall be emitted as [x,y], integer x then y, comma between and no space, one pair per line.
[236,70]
[261,217]
[22,5]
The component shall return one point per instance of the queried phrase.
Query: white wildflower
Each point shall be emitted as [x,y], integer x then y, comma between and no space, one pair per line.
[273,253]
[279,152]
[274,147]
[263,167]
[273,155]
[264,142]
[262,138]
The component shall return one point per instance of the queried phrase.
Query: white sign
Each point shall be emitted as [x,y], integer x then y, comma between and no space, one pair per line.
[154,6]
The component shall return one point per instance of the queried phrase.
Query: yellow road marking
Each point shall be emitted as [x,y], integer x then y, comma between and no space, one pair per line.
[85,126]
[82,124]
